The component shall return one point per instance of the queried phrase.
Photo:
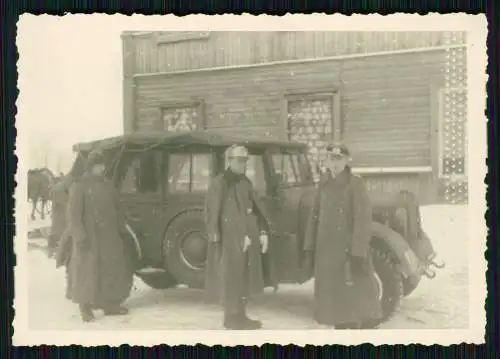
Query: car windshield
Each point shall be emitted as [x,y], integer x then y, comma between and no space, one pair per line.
[291,168]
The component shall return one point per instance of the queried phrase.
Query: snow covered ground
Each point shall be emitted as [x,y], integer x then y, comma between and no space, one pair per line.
[436,304]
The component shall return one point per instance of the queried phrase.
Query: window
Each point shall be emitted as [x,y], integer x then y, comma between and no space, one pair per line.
[142,174]
[452,132]
[314,119]
[182,117]
[287,168]
[189,172]
[256,173]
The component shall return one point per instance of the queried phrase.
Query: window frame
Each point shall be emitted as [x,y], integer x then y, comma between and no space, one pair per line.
[166,170]
[286,157]
[304,178]
[127,164]
[333,96]
[441,122]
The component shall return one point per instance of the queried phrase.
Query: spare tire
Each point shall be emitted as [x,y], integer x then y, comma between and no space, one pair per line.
[185,248]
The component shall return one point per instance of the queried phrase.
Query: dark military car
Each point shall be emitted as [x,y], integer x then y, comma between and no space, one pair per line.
[162,180]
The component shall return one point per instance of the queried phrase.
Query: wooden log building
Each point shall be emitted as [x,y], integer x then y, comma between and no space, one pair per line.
[397,99]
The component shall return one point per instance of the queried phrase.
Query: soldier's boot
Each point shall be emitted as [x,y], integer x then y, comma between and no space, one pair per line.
[239,321]
[114,309]
[352,325]
[86,313]
[234,322]
[250,323]
[51,248]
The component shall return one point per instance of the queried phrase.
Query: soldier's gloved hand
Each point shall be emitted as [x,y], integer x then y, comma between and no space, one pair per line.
[246,243]
[214,238]
[264,241]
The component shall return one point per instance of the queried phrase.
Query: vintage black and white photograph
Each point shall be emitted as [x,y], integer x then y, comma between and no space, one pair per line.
[205,176]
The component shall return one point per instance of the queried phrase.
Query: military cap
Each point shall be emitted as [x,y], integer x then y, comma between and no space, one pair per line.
[338,149]
[236,151]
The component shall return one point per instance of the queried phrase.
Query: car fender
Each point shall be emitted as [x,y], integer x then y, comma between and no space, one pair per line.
[406,260]
[137,244]
[170,219]
[184,210]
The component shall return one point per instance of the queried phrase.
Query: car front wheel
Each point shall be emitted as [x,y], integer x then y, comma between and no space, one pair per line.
[389,285]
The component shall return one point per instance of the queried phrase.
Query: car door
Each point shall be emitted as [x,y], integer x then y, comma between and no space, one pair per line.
[286,193]
[140,191]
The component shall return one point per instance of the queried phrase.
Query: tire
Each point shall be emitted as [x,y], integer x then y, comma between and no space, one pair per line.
[390,284]
[185,248]
[410,284]
[158,280]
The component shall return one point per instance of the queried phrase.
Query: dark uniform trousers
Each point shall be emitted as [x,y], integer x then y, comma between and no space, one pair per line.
[235,300]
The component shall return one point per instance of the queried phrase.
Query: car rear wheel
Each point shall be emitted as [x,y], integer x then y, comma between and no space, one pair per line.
[389,284]
[185,248]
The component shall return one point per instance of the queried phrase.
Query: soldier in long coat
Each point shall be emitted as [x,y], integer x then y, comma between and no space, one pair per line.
[337,247]
[59,195]
[99,275]
[237,227]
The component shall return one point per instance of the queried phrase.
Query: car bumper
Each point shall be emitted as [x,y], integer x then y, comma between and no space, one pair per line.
[416,268]
[431,265]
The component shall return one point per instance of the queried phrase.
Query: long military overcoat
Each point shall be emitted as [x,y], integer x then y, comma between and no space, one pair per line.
[59,195]
[230,214]
[98,270]
[339,226]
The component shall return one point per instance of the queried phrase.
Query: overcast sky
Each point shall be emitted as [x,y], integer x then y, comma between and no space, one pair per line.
[70,73]
[70,83]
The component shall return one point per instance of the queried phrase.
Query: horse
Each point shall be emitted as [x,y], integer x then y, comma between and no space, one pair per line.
[40,180]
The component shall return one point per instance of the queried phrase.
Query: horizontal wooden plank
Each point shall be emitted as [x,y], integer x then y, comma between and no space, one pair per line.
[400,68]
[245,47]
[405,60]
[381,155]
[330,69]
[364,99]
[372,117]
[387,162]
[388,146]
[179,36]
[374,81]
[388,124]
[392,170]
[388,128]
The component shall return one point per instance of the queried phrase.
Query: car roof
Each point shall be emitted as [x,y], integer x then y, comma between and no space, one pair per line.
[178,139]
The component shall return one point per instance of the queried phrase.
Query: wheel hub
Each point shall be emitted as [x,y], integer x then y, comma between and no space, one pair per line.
[194,250]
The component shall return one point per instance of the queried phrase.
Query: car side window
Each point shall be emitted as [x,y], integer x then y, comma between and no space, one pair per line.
[189,172]
[256,173]
[142,175]
[286,168]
